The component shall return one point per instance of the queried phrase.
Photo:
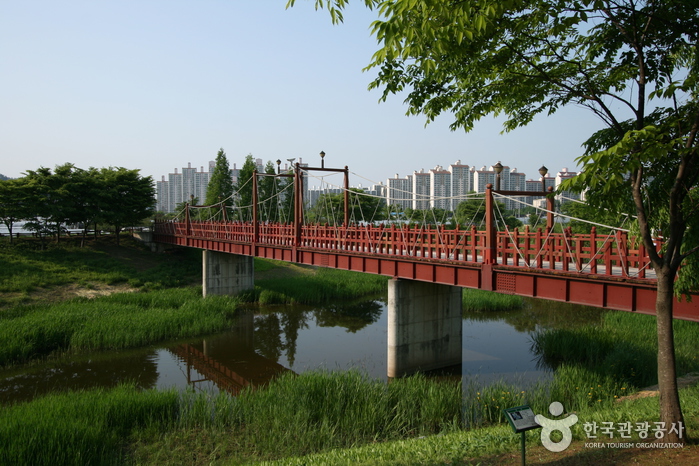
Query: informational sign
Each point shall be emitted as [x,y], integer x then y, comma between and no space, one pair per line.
[521,418]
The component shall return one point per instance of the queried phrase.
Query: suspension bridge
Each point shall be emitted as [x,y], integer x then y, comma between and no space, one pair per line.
[429,263]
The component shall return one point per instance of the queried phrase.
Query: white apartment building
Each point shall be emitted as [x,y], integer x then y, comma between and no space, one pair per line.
[461,182]
[421,190]
[399,191]
[180,187]
[440,188]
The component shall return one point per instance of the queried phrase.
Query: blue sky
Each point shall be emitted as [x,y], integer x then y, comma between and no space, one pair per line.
[155,84]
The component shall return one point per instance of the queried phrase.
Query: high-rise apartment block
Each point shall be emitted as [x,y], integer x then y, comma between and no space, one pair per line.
[421,190]
[440,187]
[448,187]
[399,192]
[181,187]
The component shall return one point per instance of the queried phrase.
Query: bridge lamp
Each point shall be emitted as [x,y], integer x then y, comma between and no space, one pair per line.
[279,170]
[498,169]
[543,171]
[322,159]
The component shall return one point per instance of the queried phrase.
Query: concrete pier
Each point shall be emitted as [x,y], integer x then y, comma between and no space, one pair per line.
[226,274]
[424,326]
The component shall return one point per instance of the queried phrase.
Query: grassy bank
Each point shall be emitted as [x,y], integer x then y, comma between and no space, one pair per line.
[295,415]
[321,286]
[314,418]
[474,300]
[623,346]
[30,274]
[123,320]
[497,444]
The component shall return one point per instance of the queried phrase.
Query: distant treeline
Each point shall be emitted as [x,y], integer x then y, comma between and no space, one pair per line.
[48,200]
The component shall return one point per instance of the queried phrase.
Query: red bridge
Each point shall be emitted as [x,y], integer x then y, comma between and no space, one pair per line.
[607,271]
[430,265]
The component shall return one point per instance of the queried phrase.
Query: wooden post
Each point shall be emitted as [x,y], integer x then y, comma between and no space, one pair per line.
[490,255]
[346,196]
[255,217]
[187,222]
[550,207]
[298,208]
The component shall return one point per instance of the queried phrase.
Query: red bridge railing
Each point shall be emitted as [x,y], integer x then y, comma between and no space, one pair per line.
[614,254]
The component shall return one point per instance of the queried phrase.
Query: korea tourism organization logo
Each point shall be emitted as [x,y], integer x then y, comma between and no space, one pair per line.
[549,426]
[605,434]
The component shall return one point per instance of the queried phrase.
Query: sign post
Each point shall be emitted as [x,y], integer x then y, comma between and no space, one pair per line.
[521,419]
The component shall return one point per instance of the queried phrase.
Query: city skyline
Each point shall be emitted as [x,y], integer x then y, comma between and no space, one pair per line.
[422,189]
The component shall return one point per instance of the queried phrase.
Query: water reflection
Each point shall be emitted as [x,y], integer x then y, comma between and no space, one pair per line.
[267,342]
[227,362]
[105,370]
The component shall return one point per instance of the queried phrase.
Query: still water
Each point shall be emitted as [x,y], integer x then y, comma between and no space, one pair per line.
[264,343]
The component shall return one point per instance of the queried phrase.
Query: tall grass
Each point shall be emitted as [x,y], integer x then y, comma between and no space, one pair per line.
[291,417]
[118,321]
[474,300]
[325,285]
[294,415]
[623,347]
[497,444]
[81,427]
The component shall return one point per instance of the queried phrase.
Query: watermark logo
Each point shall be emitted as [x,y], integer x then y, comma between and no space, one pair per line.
[623,430]
[549,426]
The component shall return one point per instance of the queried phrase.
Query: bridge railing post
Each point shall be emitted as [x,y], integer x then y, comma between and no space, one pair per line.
[298,207]
[593,250]
[255,216]
[346,197]
[490,253]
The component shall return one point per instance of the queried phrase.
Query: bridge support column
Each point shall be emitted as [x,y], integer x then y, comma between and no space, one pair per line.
[424,326]
[226,274]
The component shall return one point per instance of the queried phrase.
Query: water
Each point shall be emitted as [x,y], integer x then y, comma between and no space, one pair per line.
[263,344]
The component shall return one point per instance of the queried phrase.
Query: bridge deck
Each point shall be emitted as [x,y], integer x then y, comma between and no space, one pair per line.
[609,271]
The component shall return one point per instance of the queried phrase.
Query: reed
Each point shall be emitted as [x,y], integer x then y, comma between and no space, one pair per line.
[81,427]
[623,347]
[118,321]
[496,444]
[293,415]
[325,285]
[475,300]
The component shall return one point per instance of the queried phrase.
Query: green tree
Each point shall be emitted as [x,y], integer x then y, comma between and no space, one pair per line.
[55,198]
[479,57]
[127,197]
[220,188]
[12,202]
[362,208]
[470,212]
[268,188]
[244,189]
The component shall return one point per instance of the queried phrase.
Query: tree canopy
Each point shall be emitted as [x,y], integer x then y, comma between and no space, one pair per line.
[329,208]
[220,187]
[48,200]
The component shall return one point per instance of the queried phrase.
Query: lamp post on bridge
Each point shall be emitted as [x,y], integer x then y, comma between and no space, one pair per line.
[490,253]
[298,195]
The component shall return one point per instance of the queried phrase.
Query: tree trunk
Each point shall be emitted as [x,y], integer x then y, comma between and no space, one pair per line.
[670,409]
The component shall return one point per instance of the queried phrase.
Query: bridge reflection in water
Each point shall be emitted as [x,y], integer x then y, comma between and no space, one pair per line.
[228,361]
